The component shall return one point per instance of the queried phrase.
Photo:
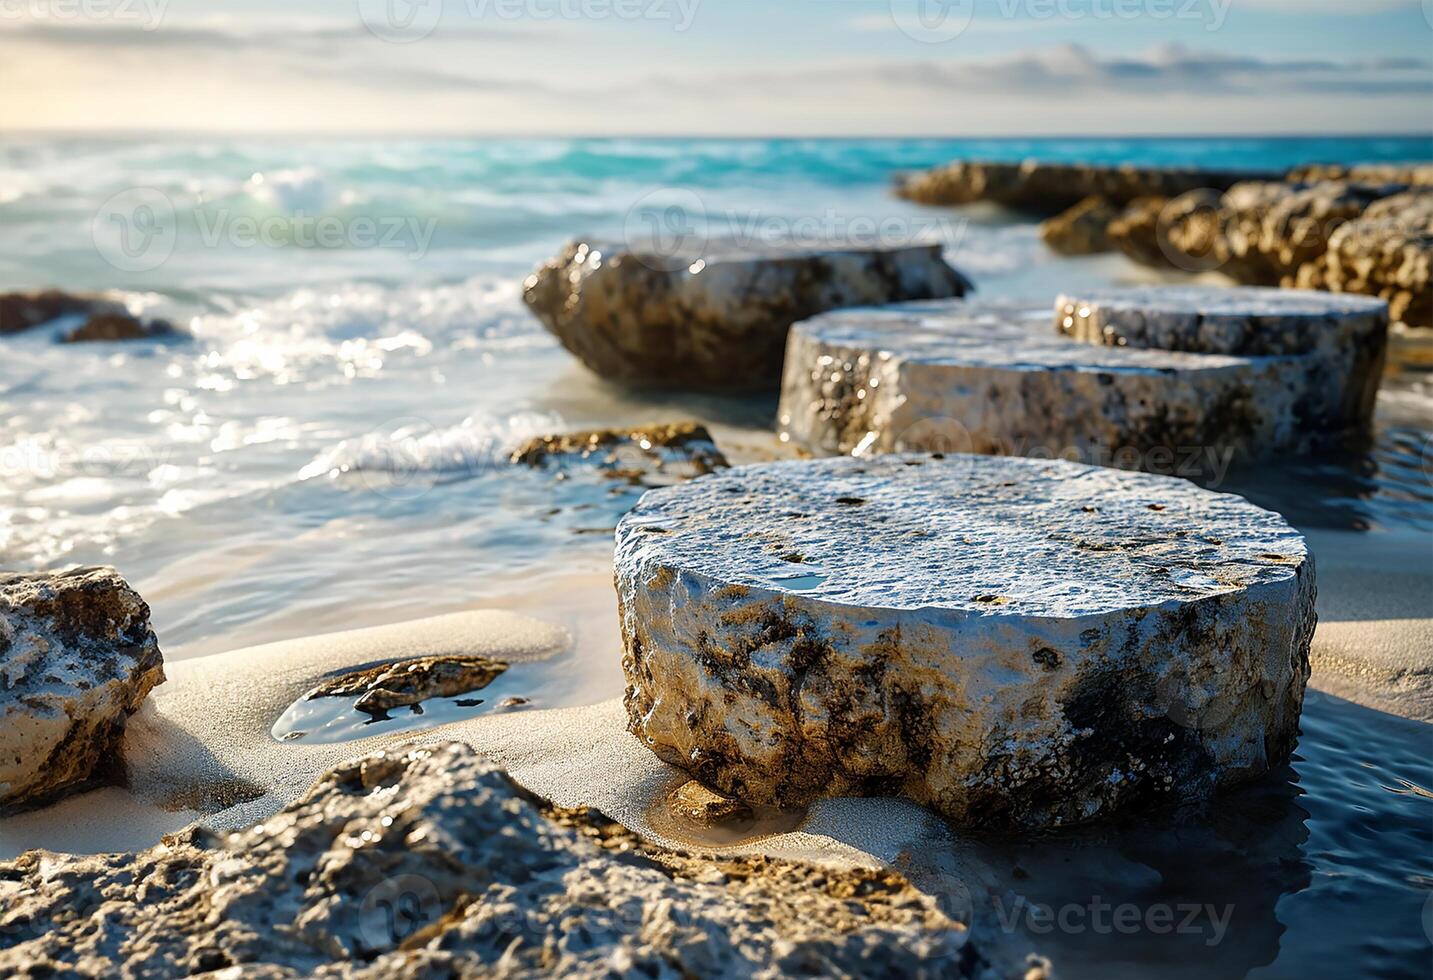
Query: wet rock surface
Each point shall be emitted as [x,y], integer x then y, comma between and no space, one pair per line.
[715,318]
[21,311]
[656,455]
[379,689]
[77,658]
[998,378]
[110,327]
[704,806]
[1049,188]
[429,862]
[1013,642]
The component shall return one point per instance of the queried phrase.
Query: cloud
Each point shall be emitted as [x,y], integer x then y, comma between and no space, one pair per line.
[1076,70]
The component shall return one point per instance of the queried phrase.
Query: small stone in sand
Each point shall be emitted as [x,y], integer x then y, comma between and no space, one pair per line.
[705,806]
[382,688]
[654,455]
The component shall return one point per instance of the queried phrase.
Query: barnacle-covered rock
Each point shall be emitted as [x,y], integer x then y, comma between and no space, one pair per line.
[1013,642]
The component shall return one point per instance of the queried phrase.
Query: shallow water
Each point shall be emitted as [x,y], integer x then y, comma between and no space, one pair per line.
[329,451]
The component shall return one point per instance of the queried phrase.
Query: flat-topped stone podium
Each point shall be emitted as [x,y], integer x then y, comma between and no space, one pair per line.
[997,378]
[1348,333]
[1013,642]
[715,316]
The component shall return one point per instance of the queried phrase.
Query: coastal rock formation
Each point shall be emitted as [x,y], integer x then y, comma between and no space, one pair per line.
[77,658]
[717,317]
[429,862]
[1049,188]
[384,687]
[1347,334]
[654,455]
[21,311]
[1016,643]
[1388,252]
[1081,230]
[1371,173]
[996,378]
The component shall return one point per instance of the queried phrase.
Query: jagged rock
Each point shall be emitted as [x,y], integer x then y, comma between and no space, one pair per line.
[430,863]
[1388,252]
[1049,188]
[387,686]
[1347,334]
[996,378]
[77,658]
[1081,230]
[1013,642]
[655,455]
[716,317]
[107,327]
[21,311]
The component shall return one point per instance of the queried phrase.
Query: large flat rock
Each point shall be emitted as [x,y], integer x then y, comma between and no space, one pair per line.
[1012,642]
[715,317]
[77,658]
[997,378]
[1349,334]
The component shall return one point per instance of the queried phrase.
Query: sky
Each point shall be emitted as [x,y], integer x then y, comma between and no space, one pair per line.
[719,67]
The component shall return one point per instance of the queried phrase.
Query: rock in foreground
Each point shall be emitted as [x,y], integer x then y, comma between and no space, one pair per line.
[21,311]
[997,378]
[715,318]
[77,658]
[431,863]
[1013,642]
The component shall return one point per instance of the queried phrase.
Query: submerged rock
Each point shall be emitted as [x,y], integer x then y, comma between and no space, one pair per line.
[108,327]
[1049,188]
[656,455]
[432,863]
[1013,642]
[77,658]
[21,311]
[715,318]
[1083,229]
[384,687]
[997,378]
[704,806]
